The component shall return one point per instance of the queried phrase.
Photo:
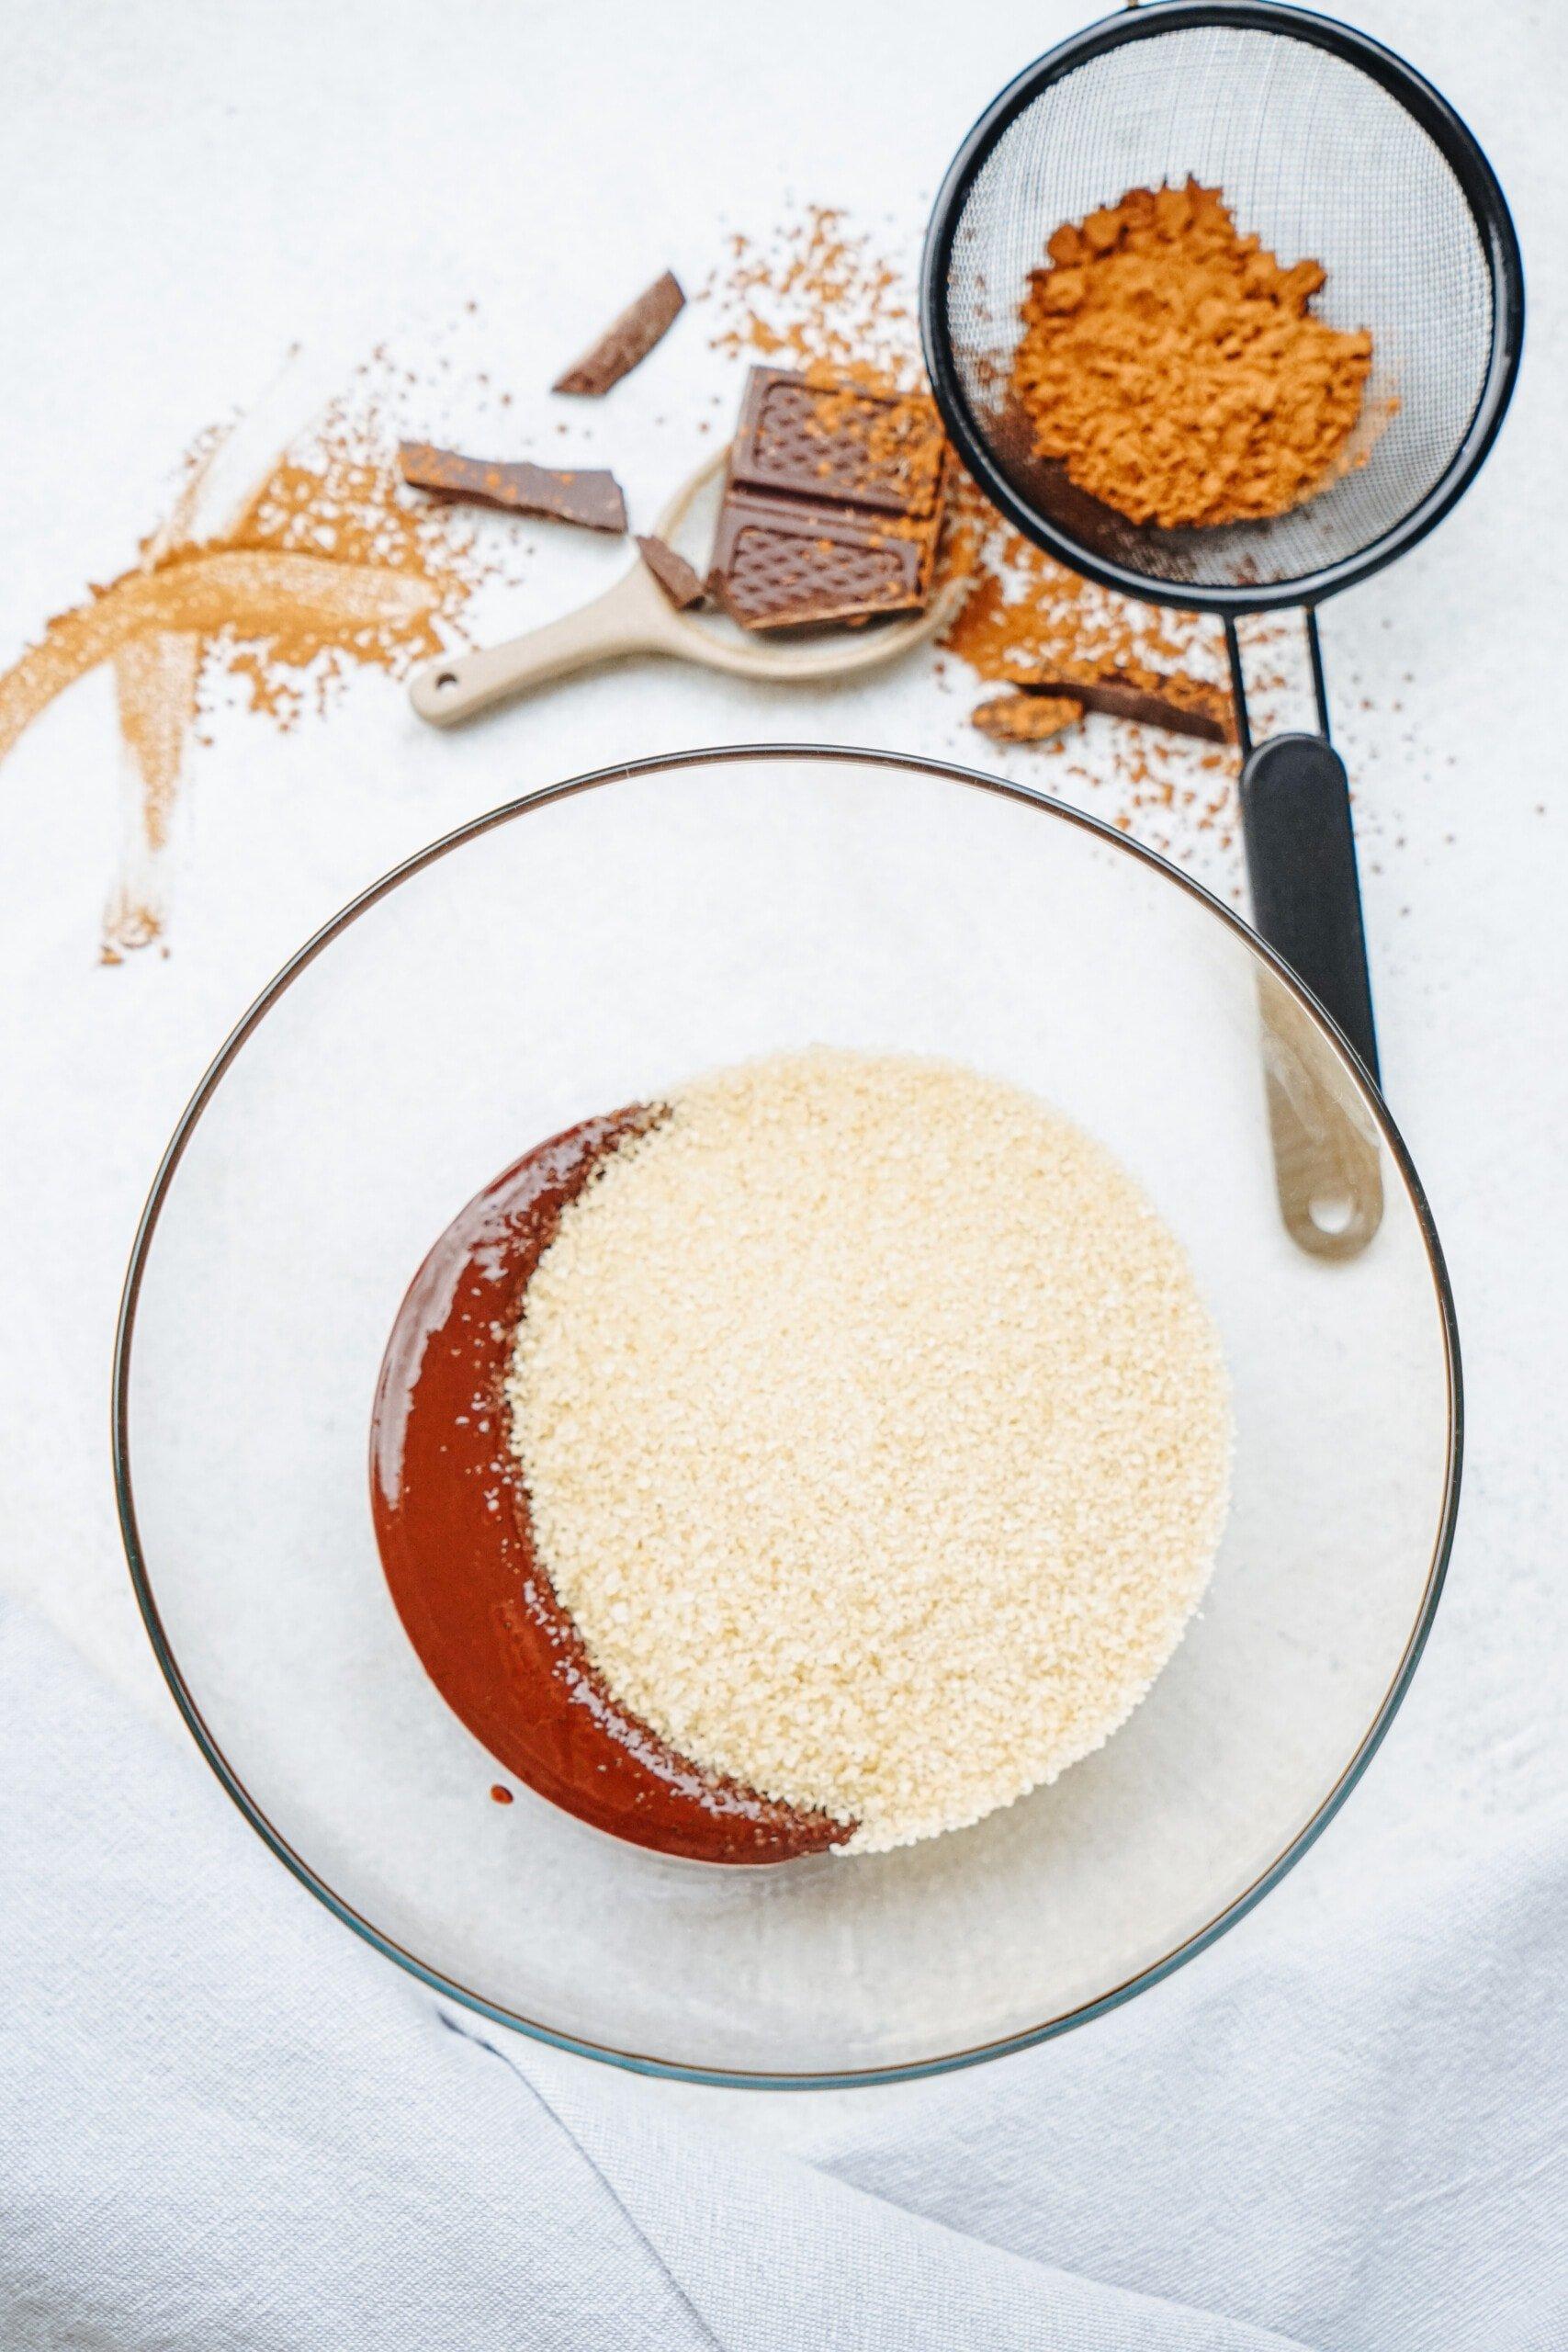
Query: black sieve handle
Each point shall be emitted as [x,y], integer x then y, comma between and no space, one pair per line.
[1300,859]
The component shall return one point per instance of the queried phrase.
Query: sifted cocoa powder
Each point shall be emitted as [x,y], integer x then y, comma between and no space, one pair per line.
[1173,368]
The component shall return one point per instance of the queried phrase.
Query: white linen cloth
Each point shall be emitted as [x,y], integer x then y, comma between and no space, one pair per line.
[225,2124]
[229,2126]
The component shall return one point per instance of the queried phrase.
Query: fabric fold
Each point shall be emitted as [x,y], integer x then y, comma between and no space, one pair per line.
[231,2127]
[230,2124]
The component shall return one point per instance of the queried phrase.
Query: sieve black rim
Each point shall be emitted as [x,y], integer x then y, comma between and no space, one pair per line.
[1460,150]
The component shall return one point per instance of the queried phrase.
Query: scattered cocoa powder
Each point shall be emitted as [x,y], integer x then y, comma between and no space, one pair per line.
[819,294]
[1029,618]
[817,291]
[1173,368]
[328,565]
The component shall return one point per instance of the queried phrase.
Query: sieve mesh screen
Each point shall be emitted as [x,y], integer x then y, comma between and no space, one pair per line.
[1321,161]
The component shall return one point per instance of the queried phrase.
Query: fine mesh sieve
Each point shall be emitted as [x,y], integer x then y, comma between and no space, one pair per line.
[1326,146]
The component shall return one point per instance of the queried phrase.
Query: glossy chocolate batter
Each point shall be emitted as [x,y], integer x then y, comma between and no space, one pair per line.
[453,1524]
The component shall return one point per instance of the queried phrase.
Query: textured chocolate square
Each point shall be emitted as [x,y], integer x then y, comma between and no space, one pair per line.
[811,440]
[781,563]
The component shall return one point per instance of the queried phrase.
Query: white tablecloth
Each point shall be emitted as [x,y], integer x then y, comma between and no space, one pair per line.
[232,2127]
[227,2123]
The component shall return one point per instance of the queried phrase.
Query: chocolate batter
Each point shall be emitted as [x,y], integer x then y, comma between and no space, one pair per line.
[453,1524]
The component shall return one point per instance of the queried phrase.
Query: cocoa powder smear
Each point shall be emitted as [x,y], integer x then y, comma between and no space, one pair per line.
[327,565]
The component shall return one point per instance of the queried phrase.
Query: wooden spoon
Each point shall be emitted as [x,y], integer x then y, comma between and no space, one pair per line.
[636,616]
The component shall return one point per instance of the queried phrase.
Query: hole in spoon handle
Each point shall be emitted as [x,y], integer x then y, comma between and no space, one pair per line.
[451,689]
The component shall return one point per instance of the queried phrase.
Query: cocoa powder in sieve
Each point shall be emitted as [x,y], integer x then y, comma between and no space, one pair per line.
[1173,368]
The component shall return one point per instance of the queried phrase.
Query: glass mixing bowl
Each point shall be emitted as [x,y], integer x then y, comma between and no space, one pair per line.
[589,946]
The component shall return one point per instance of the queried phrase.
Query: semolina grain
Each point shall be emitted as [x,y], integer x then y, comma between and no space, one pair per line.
[876,1435]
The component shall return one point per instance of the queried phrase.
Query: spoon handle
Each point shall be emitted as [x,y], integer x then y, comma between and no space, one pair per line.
[460,684]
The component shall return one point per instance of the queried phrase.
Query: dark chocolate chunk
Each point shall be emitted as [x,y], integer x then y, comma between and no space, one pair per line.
[625,340]
[587,495]
[679,581]
[811,440]
[782,562]
[1183,705]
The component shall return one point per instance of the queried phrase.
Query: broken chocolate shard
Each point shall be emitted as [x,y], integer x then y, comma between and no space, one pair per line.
[1183,705]
[785,563]
[679,581]
[808,439]
[587,495]
[1025,718]
[625,340]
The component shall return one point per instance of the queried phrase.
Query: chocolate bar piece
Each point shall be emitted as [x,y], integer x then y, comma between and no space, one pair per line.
[681,582]
[588,495]
[781,562]
[1181,704]
[1026,717]
[812,440]
[832,503]
[625,340]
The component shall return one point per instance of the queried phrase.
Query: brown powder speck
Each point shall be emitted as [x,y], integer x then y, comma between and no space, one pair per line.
[155,689]
[128,925]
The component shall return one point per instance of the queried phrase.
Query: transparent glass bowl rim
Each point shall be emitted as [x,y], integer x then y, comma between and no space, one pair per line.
[141,1570]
